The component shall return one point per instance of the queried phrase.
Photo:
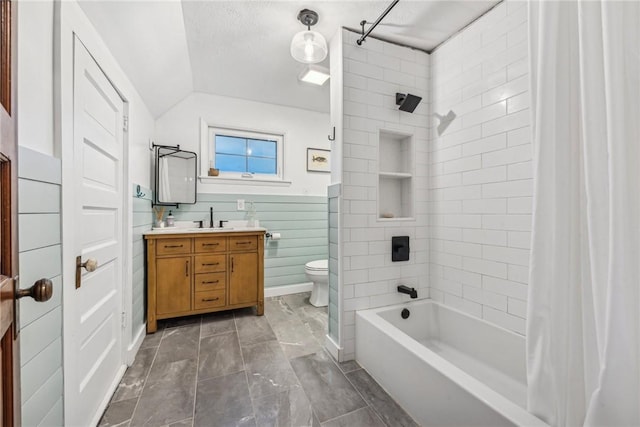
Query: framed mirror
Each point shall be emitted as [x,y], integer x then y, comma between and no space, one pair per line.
[175,176]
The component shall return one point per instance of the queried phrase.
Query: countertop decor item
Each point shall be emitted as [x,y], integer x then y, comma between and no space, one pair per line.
[159,213]
[318,160]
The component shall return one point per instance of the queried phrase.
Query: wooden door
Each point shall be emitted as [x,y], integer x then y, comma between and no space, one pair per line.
[9,357]
[243,278]
[173,285]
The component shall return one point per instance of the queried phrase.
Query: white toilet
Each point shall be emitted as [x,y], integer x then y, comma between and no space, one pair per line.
[318,273]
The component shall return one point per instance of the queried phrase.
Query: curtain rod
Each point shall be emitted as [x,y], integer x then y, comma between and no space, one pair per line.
[375,24]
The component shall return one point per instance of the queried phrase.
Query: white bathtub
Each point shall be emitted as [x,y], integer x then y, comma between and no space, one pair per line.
[444,367]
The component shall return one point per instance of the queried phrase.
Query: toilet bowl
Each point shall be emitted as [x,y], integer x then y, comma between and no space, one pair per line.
[318,273]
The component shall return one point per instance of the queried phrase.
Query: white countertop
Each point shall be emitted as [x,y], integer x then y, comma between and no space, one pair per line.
[205,230]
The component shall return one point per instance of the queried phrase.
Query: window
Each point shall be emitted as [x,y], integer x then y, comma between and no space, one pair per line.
[235,154]
[245,154]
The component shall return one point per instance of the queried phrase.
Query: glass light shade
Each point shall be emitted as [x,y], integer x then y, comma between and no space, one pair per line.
[308,47]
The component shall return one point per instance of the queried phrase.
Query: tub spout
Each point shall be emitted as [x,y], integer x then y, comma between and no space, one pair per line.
[404,289]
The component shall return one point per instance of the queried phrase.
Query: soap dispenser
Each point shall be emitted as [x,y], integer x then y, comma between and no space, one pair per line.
[170,220]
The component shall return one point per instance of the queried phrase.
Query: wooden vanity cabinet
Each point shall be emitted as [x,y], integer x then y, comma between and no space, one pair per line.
[195,273]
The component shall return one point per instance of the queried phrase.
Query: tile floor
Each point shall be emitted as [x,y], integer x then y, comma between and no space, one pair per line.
[238,369]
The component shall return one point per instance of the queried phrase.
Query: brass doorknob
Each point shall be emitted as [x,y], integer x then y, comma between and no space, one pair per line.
[41,291]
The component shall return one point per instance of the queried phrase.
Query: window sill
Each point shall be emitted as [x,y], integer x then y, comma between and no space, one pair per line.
[244,181]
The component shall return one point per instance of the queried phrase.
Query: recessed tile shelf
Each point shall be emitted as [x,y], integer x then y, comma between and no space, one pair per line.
[395,176]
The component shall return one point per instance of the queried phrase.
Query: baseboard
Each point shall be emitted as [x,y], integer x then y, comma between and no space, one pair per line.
[334,349]
[136,344]
[275,291]
[107,398]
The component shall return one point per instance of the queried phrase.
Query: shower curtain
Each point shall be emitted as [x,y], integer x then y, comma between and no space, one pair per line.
[164,180]
[583,323]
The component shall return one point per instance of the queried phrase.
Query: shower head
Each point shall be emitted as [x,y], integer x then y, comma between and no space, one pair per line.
[445,121]
[407,102]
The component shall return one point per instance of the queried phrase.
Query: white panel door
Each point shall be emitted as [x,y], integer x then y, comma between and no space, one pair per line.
[93,351]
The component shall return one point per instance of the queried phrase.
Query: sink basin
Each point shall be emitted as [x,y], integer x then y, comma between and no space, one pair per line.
[208,230]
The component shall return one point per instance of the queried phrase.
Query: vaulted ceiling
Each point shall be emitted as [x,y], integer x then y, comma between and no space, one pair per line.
[171,48]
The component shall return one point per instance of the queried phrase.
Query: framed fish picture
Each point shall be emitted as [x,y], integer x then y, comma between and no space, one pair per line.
[318,160]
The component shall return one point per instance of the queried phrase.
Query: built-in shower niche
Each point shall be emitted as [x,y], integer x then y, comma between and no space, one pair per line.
[395,176]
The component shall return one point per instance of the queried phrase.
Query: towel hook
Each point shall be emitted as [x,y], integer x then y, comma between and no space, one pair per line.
[332,137]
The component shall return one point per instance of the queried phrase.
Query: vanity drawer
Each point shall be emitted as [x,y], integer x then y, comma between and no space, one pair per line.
[210,244]
[173,246]
[240,243]
[210,263]
[209,299]
[211,281]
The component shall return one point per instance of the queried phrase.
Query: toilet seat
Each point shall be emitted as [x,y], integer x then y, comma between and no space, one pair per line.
[319,265]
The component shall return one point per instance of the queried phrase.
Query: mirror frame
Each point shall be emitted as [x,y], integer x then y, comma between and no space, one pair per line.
[176,149]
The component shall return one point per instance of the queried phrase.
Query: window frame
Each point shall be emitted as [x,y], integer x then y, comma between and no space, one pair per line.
[208,152]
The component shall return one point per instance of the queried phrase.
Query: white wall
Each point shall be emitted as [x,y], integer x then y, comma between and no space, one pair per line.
[373,73]
[481,184]
[303,129]
[35,75]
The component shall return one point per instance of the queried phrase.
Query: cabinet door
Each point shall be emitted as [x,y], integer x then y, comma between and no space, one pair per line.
[173,285]
[243,278]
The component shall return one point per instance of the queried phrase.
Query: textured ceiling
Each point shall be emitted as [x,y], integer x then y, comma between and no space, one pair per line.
[241,48]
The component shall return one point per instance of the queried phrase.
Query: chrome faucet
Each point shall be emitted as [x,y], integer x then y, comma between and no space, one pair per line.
[403,289]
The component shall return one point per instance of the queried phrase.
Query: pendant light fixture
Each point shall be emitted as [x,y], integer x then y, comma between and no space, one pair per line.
[308,47]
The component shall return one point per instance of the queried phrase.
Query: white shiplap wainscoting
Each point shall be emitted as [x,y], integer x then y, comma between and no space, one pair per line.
[142,222]
[301,220]
[481,186]
[40,257]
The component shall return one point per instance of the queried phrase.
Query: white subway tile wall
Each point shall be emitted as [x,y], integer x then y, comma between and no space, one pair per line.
[480,180]
[373,73]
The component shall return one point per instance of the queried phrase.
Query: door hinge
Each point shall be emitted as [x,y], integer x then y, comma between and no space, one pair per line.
[125,123]
[124,320]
